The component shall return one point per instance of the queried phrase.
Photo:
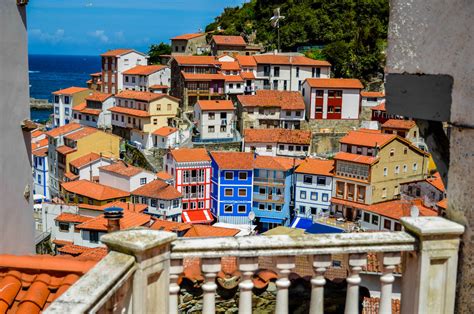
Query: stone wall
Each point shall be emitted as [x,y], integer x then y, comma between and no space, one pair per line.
[235,146]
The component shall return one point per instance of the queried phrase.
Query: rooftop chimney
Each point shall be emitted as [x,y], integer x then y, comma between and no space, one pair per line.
[113,216]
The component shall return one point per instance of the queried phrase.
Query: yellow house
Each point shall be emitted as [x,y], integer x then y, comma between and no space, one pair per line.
[91,193]
[370,168]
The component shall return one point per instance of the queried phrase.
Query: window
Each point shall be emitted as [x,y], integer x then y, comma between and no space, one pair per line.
[231,86]
[405,168]
[392,152]
[242,175]
[387,224]
[238,85]
[94,236]
[133,79]
[228,192]
[285,85]
[63,226]
[66,100]
[385,172]
[153,202]
[398,227]
[39,179]
[415,166]
[321,180]
[336,264]
[325,197]
[319,93]
[211,129]
[185,206]
[302,210]
[384,192]
[282,147]
[211,115]
[375,220]
[66,111]
[229,175]
[162,206]
[297,71]
[303,195]
[261,206]
[269,148]
[223,128]
[56,99]
[397,169]
[228,208]
[278,208]
[366,217]
[142,181]
[241,209]
[405,150]
[314,196]
[168,107]
[243,192]
[276,71]
[262,191]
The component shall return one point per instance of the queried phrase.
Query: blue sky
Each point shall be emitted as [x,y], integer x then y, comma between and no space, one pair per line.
[89,27]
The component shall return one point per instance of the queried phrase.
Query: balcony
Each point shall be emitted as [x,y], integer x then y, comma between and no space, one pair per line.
[268,198]
[269,181]
[140,273]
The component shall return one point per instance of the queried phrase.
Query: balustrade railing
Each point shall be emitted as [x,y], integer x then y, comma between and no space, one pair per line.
[140,274]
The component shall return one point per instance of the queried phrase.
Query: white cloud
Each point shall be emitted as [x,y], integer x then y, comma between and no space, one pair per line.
[53,38]
[101,35]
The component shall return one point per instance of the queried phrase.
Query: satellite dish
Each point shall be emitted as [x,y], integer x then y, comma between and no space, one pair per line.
[251,216]
[414,211]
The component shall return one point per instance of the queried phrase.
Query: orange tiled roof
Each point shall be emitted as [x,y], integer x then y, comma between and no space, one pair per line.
[233,78]
[316,166]
[246,61]
[93,190]
[158,86]
[380,107]
[247,75]
[166,225]
[165,131]
[116,52]
[197,216]
[361,159]
[369,139]
[162,175]
[122,168]
[130,220]
[443,203]
[144,69]
[190,154]
[71,176]
[36,133]
[202,76]
[84,160]
[203,231]
[372,94]
[287,136]
[93,254]
[272,98]
[72,249]
[399,124]
[130,112]
[229,40]
[64,129]
[69,217]
[188,36]
[85,131]
[137,208]
[230,66]
[62,242]
[437,182]
[70,90]
[400,208]
[276,163]
[28,284]
[137,95]
[98,96]
[287,60]
[80,106]
[234,160]
[195,60]
[39,144]
[207,105]
[63,149]
[41,152]
[158,189]
[96,74]
[334,83]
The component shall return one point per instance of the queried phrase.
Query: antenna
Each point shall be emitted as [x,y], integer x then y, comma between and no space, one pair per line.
[275,22]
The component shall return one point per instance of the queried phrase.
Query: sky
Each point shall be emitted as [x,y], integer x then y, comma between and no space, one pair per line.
[90,27]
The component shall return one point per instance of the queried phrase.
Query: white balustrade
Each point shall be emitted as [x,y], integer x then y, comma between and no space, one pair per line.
[247,266]
[388,263]
[284,264]
[320,264]
[176,268]
[356,262]
[210,267]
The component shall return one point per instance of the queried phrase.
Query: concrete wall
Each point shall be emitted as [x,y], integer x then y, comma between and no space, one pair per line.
[16,208]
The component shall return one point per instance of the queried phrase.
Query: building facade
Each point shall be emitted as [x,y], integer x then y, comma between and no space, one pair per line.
[277,142]
[124,176]
[142,77]
[189,44]
[64,101]
[214,120]
[94,111]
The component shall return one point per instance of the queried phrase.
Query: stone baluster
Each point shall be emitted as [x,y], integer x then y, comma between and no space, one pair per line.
[210,267]
[247,266]
[320,264]
[176,268]
[284,264]
[388,262]
[356,262]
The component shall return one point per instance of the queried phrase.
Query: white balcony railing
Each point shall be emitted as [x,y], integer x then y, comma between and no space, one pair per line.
[140,274]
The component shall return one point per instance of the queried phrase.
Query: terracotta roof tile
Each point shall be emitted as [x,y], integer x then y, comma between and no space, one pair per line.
[165,131]
[39,144]
[190,155]
[372,94]
[93,254]
[163,175]
[130,112]
[166,225]
[380,107]
[130,220]
[301,137]
[93,190]
[72,249]
[70,90]
[368,139]
[96,74]
[437,182]
[229,40]
[400,208]
[81,133]
[36,133]
[233,78]
[144,69]
[195,60]
[158,189]
[443,203]
[62,242]
[276,163]
[84,160]
[287,60]
[203,76]
[399,124]
[137,95]
[188,36]
[247,75]
[203,231]
[233,160]
[98,96]
[246,61]
[116,52]
[69,217]
[64,129]
[316,166]
[122,168]
[271,98]
[42,152]
[63,149]
[361,159]
[230,66]
[156,86]
[210,105]
[334,83]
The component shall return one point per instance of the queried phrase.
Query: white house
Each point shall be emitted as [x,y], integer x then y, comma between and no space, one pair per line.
[332,99]
[162,199]
[87,167]
[63,102]
[372,99]
[248,71]
[142,77]
[277,142]
[288,71]
[94,111]
[166,137]
[313,187]
[214,119]
[125,177]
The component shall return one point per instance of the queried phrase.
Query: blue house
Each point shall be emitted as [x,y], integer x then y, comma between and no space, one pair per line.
[272,191]
[40,172]
[231,186]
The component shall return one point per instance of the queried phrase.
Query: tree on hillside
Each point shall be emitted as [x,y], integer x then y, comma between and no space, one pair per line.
[157,50]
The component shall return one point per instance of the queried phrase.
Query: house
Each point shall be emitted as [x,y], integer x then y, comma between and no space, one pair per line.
[272,191]
[124,176]
[431,190]
[371,167]
[313,187]
[166,137]
[39,158]
[222,44]
[137,115]
[406,129]
[162,199]
[94,111]
[332,99]
[189,44]
[114,63]
[202,231]
[86,167]
[179,228]
[63,102]
[214,120]
[277,142]
[283,71]
[248,71]
[95,82]
[271,109]
[371,99]
[379,114]
[72,141]
[141,77]
[92,193]
[232,179]
[191,172]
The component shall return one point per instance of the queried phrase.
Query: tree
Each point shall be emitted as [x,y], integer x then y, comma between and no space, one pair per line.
[157,50]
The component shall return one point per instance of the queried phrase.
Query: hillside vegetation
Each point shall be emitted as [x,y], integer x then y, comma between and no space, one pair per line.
[351,34]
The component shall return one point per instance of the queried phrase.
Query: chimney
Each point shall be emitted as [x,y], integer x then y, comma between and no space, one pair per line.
[113,216]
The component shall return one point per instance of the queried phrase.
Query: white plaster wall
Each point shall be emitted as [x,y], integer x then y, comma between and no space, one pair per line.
[134,59]
[85,173]
[350,104]
[261,148]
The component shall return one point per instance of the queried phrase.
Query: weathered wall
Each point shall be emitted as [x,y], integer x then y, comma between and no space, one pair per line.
[16,211]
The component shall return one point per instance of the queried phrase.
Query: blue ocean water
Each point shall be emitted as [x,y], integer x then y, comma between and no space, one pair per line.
[53,72]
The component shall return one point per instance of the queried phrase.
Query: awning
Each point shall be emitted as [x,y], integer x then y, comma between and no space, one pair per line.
[301,223]
[197,216]
[318,228]
[271,220]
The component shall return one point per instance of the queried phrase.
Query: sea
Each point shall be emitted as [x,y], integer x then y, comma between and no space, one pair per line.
[49,73]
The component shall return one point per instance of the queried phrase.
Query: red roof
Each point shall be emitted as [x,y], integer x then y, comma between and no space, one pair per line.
[272,98]
[230,66]
[166,225]
[188,36]
[158,189]
[203,231]
[380,107]
[202,76]
[41,152]
[437,182]
[443,203]
[400,208]
[93,254]
[399,124]
[69,217]
[144,69]
[165,131]
[117,52]
[94,190]
[335,83]
[211,105]
[233,78]
[276,163]
[197,216]
[156,86]
[287,60]
[36,133]
[64,150]
[71,176]
[195,60]
[82,108]
[234,160]
[130,220]
[83,132]
[316,166]
[84,160]
[141,96]
[190,155]
[98,96]
[372,94]
[70,90]
[246,61]
[361,159]
[247,75]
[64,129]
[130,112]
[96,74]
[286,136]
[122,168]
[229,40]
[369,139]
[40,144]
[162,175]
